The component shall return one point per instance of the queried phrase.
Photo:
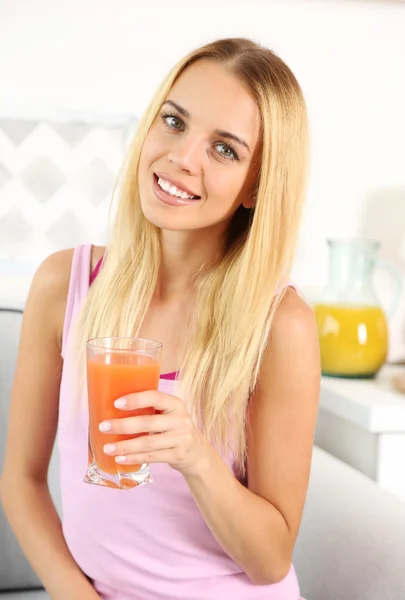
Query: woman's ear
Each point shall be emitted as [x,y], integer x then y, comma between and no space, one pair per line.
[248,203]
[251,193]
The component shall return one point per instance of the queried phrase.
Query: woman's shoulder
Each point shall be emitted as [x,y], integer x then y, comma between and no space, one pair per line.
[294,334]
[49,290]
[50,285]
[53,274]
[291,366]
[293,316]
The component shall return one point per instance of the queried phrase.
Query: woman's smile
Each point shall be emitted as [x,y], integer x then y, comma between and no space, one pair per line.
[172,192]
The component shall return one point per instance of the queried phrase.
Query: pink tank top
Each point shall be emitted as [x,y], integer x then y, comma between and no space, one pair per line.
[150,543]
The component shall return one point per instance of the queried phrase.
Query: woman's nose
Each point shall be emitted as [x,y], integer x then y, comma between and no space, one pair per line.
[187,155]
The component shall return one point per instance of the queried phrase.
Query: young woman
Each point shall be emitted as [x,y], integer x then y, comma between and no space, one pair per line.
[198,258]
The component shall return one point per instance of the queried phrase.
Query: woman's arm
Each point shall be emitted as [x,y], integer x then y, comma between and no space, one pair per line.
[256,526]
[31,434]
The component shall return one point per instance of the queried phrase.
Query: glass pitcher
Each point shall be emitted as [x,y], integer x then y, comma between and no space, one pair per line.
[352,325]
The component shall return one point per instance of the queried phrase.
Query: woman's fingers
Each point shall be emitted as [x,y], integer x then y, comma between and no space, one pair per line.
[138,424]
[170,428]
[151,398]
[142,444]
[159,456]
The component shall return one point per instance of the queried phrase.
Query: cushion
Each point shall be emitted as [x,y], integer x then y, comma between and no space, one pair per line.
[351,542]
[25,595]
[15,571]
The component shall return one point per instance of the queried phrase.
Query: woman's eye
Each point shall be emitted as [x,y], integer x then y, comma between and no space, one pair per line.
[173,122]
[226,151]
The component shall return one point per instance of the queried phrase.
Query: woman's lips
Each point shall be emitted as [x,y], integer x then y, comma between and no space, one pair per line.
[167,198]
[179,185]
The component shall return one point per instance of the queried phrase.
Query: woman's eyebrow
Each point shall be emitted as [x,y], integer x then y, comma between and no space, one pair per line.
[232,136]
[179,108]
[220,132]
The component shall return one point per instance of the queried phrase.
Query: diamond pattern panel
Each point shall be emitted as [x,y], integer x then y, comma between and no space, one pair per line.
[56,183]
[5,176]
[17,130]
[95,179]
[66,231]
[72,133]
[42,178]
[14,227]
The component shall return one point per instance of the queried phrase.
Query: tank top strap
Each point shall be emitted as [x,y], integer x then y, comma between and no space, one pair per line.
[78,287]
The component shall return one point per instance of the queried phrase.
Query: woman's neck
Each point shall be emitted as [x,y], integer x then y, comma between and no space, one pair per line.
[183,254]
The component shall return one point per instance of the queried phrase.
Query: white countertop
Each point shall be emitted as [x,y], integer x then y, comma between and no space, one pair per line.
[371,404]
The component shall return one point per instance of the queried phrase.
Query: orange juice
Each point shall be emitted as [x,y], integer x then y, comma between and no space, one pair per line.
[353,339]
[111,376]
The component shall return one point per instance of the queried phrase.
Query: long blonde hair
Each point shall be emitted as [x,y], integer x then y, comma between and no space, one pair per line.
[236,299]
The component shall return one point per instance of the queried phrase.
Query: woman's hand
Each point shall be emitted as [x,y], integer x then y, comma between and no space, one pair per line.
[168,436]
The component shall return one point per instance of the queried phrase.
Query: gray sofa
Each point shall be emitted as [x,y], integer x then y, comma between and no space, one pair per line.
[351,544]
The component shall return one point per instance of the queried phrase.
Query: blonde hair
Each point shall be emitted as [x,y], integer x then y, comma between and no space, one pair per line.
[237,297]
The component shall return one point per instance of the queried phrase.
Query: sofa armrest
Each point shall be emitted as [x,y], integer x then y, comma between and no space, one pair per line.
[351,544]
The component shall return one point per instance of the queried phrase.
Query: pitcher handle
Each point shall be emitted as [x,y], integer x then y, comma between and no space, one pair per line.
[397,279]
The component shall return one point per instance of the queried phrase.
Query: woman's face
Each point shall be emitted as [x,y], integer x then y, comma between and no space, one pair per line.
[197,164]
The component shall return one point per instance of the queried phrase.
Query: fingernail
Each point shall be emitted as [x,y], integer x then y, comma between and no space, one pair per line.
[120,459]
[105,426]
[120,403]
[108,448]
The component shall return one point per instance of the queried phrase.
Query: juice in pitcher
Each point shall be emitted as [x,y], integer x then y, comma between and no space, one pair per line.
[353,339]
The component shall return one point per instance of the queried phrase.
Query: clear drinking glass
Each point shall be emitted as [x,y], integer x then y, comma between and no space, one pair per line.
[117,366]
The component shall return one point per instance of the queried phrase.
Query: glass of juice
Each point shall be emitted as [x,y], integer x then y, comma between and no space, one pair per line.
[117,366]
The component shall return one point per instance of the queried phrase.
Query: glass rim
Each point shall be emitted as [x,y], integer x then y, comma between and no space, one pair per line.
[153,344]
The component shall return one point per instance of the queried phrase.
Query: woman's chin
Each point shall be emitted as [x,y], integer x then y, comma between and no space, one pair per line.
[165,221]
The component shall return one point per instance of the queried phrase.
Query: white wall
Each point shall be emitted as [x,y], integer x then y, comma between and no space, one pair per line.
[109,55]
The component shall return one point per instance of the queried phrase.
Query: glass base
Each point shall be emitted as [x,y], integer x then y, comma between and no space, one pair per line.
[350,376]
[120,481]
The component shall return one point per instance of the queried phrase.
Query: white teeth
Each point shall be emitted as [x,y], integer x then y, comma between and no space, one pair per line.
[172,189]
